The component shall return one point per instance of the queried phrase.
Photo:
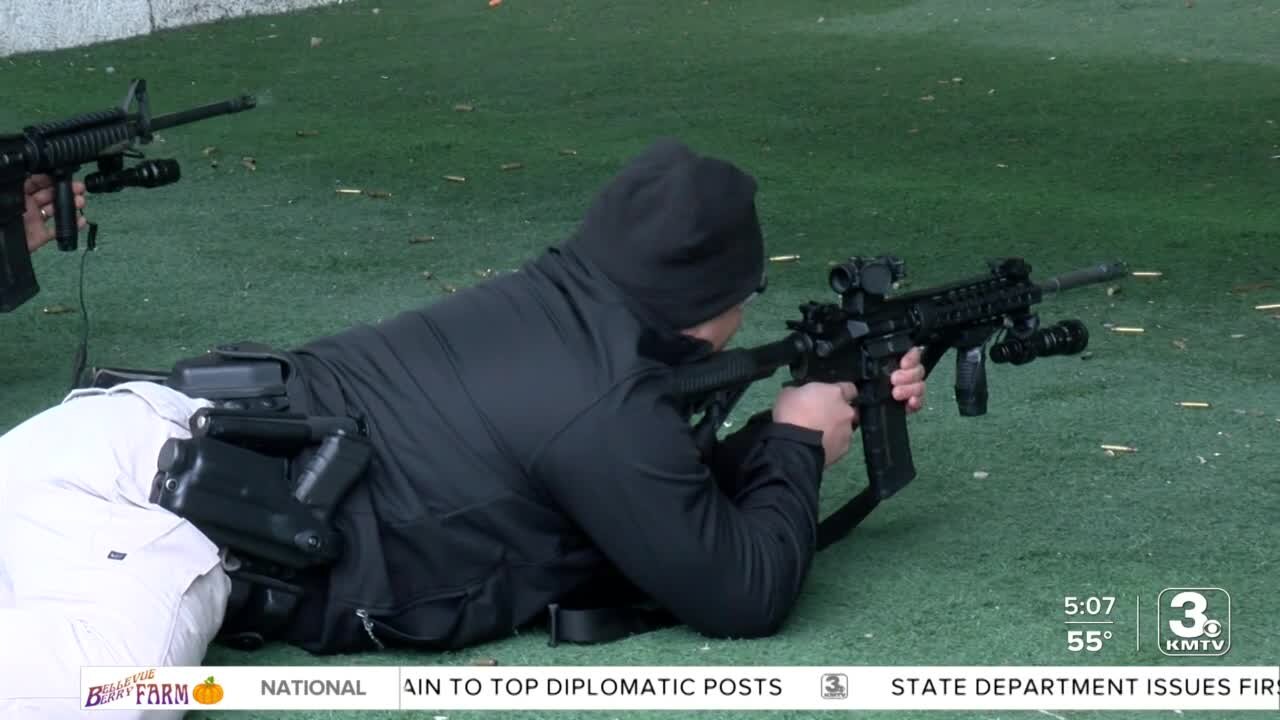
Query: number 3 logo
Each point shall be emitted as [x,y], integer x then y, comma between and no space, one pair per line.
[1194,614]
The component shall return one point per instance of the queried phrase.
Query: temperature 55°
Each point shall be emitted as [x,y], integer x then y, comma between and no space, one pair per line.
[1089,640]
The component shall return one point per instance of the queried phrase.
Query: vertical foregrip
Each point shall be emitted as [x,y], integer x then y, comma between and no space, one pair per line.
[65,217]
[971,382]
[885,443]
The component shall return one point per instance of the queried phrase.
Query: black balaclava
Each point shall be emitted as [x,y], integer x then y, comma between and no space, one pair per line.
[677,233]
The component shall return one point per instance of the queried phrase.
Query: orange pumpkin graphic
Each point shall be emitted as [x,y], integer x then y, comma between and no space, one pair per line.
[208,692]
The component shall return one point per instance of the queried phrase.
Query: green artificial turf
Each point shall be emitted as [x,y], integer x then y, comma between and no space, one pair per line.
[943,132]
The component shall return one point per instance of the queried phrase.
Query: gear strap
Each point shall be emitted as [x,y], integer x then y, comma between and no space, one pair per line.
[590,626]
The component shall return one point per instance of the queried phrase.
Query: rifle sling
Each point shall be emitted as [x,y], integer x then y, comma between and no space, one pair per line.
[593,626]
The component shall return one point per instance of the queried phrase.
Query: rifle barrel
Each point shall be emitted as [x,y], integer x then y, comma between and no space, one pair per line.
[204,112]
[1084,276]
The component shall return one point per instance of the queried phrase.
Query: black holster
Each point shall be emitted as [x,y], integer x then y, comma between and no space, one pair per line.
[258,479]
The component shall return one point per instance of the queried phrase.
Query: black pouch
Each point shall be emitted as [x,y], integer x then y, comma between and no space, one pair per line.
[242,376]
[238,376]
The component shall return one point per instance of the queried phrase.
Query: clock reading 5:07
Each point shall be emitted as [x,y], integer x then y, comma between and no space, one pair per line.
[1092,605]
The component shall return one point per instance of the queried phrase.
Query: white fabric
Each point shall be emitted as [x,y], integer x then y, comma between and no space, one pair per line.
[74,488]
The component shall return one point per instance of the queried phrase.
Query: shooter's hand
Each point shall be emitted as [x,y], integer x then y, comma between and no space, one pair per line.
[825,407]
[39,213]
[908,381]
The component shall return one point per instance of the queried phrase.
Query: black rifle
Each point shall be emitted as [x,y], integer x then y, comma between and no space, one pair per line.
[863,338]
[58,149]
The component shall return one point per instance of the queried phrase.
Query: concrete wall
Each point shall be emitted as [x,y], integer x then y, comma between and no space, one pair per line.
[34,25]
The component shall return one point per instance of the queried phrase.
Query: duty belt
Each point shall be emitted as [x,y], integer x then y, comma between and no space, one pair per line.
[259,477]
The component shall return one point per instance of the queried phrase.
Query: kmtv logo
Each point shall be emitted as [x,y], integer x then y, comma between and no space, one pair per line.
[835,686]
[1194,622]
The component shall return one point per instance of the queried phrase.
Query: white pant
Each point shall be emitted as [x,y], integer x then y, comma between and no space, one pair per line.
[91,573]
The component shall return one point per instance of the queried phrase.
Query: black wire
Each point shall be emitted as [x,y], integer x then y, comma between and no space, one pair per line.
[82,353]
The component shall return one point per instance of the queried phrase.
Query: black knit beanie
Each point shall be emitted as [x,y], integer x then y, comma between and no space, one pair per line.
[677,233]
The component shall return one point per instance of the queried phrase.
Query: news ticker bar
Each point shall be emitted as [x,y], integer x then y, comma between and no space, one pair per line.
[682,688]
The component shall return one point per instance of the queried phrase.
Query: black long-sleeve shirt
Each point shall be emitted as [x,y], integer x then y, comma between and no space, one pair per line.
[527,446]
